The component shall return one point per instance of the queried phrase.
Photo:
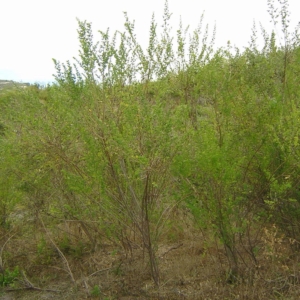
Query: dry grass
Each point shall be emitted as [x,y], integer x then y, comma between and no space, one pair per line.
[192,266]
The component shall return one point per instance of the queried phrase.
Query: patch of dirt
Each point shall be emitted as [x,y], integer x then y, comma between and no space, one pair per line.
[191,267]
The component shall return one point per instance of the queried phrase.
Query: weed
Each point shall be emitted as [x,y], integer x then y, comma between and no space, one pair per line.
[7,277]
[96,292]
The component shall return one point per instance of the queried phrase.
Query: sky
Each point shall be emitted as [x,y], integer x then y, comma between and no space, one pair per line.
[35,31]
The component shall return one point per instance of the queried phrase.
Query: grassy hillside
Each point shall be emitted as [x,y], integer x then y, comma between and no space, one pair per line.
[9,84]
[162,173]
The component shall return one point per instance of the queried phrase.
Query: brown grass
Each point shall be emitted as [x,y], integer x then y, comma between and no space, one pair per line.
[192,266]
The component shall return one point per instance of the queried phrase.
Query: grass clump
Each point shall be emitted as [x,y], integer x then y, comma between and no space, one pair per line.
[8,277]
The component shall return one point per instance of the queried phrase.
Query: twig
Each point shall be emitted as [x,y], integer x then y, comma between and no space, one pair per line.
[172,248]
[30,286]
[99,271]
[60,253]
[1,251]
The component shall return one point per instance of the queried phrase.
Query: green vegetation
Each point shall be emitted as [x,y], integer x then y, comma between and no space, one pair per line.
[9,277]
[134,149]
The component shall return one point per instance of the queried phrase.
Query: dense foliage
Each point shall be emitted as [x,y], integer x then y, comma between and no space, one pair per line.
[126,136]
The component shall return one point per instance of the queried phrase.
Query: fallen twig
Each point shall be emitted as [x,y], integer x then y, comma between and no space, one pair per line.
[29,286]
[99,271]
[172,248]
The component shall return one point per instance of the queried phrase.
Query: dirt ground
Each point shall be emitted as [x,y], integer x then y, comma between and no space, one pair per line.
[191,266]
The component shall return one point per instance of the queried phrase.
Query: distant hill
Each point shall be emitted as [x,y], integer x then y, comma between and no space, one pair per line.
[9,84]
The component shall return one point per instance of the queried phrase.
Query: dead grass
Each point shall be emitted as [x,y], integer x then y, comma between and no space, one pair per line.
[192,266]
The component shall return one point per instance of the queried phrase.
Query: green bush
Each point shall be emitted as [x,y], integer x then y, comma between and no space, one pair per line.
[126,133]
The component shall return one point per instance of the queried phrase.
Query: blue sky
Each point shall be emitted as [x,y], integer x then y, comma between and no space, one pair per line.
[35,31]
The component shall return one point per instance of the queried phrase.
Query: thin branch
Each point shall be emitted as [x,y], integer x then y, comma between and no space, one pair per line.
[100,271]
[1,251]
[30,286]
[59,251]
